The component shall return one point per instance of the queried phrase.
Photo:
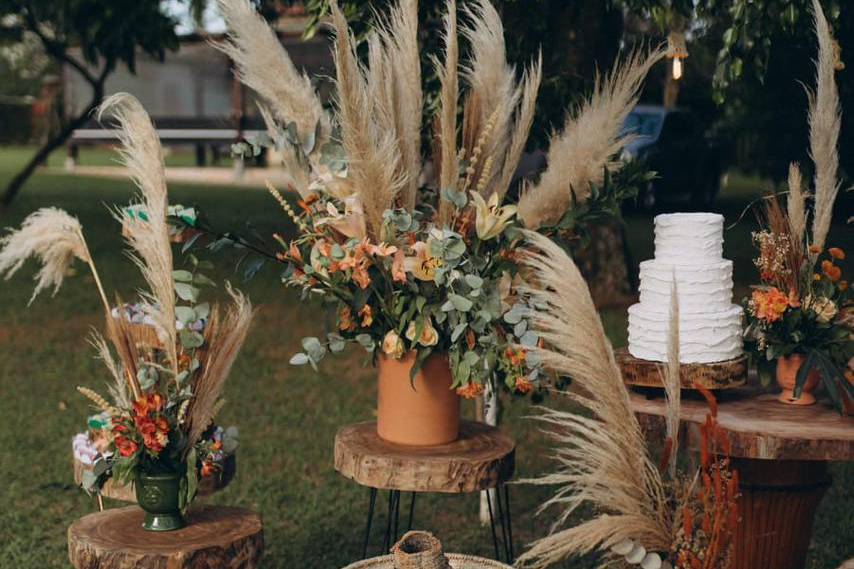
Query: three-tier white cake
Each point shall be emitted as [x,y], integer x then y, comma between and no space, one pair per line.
[689,249]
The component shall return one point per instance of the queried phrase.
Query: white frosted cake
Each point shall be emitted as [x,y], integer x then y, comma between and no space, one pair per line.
[689,249]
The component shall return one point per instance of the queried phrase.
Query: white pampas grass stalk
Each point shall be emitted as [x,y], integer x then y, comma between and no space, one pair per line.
[796,206]
[142,155]
[522,125]
[448,73]
[590,139]
[672,381]
[56,238]
[399,37]
[602,458]
[825,119]
[493,92]
[372,151]
[296,170]
[224,338]
[263,65]
[118,390]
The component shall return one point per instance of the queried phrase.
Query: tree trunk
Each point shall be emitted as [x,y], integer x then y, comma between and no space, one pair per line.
[605,265]
[15,185]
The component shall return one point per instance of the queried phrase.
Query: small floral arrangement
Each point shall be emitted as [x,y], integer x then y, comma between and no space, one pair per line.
[169,354]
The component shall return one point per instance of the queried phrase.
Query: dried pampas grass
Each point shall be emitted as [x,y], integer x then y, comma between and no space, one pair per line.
[224,336]
[590,138]
[142,155]
[372,151]
[672,384]
[51,235]
[796,206]
[263,65]
[447,157]
[825,119]
[603,458]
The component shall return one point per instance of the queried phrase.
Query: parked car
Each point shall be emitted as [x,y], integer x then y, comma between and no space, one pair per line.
[674,145]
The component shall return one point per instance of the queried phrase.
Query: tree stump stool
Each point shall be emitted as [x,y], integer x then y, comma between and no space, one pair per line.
[781,454]
[215,536]
[483,458]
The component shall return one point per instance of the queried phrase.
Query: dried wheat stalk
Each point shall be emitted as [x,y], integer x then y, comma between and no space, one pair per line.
[447,157]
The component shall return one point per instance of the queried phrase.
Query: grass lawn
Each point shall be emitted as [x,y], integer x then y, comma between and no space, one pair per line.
[287,416]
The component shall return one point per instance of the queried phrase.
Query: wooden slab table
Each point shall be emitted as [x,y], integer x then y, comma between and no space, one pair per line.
[482,458]
[215,536]
[781,453]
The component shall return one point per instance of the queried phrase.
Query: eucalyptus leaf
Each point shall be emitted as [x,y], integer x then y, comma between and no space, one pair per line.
[299,359]
[185,314]
[191,338]
[460,303]
[186,292]
[183,276]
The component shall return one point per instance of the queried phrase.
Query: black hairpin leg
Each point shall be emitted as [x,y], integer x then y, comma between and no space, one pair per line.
[372,502]
[492,524]
[391,526]
[411,513]
[512,557]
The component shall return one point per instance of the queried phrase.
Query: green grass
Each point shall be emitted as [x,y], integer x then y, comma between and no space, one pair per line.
[288,416]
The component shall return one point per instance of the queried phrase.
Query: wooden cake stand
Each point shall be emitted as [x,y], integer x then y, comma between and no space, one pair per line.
[781,454]
[214,537]
[482,458]
[714,376]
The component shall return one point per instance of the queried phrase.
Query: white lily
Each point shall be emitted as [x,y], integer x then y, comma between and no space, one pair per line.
[491,218]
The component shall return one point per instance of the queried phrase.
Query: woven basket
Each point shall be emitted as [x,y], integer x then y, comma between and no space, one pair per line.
[419,550]
[456,561]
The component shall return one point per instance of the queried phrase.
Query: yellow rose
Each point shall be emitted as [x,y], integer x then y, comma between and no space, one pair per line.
[393,345]
[429,335]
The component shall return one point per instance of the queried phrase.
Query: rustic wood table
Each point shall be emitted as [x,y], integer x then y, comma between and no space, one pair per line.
[215,536]
[481,459]
[781,453]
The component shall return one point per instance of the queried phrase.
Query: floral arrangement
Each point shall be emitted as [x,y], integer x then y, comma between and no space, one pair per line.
[421,259]
[165,391]
[802,304]
[646,513]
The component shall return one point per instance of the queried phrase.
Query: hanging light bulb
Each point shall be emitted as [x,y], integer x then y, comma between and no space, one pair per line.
[677,68]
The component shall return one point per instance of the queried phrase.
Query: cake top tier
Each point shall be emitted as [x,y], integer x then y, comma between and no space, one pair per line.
[689,238]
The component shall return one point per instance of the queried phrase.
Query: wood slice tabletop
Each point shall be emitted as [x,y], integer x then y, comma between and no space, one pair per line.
[729,374]
[215,536]
[483,457]
[758,427]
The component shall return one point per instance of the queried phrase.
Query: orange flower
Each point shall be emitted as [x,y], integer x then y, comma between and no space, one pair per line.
[382,250]
[367,316]
[345,320]
[516,358]
[208,468]
[398,270]
[794,301]
[769,305]
[126,446]
[294,253]
[837,253]
[524,385]
[830,270]
[470,390]
[815,249]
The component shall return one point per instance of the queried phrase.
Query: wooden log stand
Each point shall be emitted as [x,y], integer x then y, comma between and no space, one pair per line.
[215,536]
[781,453]
[483,458]
[715,376]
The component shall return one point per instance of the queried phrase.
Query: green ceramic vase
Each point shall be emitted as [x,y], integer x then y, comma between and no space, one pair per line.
[157,495]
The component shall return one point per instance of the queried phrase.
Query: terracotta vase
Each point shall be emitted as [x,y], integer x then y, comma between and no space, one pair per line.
[787,373]
[423,412]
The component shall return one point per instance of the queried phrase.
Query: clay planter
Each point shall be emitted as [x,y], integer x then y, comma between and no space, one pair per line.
[423,412]
[787,373]
[157,495]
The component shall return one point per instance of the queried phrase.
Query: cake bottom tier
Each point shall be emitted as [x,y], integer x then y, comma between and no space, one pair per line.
[703,338]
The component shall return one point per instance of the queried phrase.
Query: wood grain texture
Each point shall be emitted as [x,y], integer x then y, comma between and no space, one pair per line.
[716,376]
[758,427]
[126,493]
[220,537]
[481,458]
[778,503]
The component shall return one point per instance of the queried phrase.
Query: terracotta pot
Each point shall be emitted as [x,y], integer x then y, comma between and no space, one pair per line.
[424,412]
[787,373]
